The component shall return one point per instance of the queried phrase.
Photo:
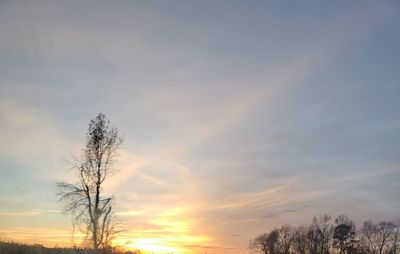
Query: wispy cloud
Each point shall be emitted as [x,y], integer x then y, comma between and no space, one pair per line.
[31,136]
[25,213]
[194,173]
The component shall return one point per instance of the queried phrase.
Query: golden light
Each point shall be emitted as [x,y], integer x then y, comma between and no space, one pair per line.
[154,245]
[175,231]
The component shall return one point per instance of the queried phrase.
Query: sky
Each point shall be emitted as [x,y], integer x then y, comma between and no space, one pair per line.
[237,116]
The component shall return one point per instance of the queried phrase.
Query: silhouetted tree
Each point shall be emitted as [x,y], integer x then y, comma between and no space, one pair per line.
[314,236]
[85,200]
[344,234]
[300,240]
[395,236]
[285,239]
[259,244]
[265,243]
[326,230]
[343,237]
[376,237]
[321,237]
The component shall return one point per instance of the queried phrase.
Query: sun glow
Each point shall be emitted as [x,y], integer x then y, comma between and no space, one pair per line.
[154,245]
[170,231]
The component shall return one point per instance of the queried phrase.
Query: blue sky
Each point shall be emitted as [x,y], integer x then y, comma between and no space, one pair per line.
[238,116]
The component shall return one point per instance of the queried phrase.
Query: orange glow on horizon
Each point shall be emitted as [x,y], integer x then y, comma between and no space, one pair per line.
[153,245]
[175,233]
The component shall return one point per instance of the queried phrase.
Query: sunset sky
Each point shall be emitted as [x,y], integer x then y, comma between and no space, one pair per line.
[237,116]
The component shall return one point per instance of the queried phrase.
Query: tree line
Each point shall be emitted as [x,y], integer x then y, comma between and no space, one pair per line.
[327,236]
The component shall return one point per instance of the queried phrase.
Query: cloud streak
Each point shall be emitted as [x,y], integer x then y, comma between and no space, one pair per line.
[224,136]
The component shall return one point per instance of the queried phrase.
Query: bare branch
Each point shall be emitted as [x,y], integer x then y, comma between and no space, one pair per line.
[84,201]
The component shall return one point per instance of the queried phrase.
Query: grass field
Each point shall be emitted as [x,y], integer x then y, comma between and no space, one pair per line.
[20,248]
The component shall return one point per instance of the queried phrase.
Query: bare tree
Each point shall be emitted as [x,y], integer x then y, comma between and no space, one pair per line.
[319,234]
[285,239]
[300,240]
[395,236]
[326,230]
[385,233]
[321,237]
[313,236]
[367,232]
[265,243]
[259,244]
[84,200]
[377,236]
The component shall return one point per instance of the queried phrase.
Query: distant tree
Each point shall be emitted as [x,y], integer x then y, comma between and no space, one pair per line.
[259,244]
[313,236]
[272,241]
[319,234]
[285,239]
[326,230]
[344,236]
[300,240]
[265,243]
[84,200]
[344,219]
[376,237]
[395,236]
